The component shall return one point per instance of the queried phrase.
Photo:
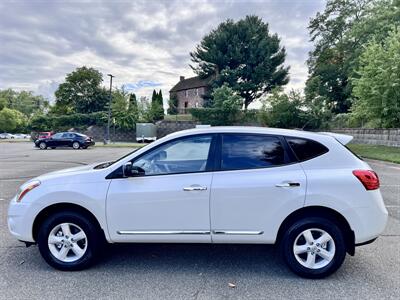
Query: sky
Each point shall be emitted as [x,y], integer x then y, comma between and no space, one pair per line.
[144,44]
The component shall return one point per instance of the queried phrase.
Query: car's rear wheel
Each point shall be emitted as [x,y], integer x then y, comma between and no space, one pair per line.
[43,146]
[68,241]
[314,247]
[76,145]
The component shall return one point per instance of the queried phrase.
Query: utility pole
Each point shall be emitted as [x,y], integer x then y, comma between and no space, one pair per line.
[107,141]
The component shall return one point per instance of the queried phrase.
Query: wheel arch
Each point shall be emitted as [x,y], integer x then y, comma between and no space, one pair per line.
[320,211]
[64,206]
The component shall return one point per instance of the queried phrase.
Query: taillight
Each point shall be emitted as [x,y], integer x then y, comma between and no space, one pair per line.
[368,178]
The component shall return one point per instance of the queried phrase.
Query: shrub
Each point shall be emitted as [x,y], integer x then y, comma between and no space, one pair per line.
[59,123]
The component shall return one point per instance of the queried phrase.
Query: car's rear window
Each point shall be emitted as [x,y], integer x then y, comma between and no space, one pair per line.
[306,149]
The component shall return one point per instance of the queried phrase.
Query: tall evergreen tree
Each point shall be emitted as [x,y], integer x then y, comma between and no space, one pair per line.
[244,55]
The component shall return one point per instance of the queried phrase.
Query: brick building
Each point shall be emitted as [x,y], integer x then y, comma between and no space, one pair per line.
[189,92]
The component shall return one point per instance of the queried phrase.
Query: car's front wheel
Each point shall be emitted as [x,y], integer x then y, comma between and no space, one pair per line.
[69,241]
[314,247]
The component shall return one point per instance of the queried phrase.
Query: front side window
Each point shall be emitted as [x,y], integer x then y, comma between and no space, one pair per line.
[251,152]
[186,155]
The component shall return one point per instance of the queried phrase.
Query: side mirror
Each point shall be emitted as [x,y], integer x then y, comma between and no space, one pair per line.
[129,170]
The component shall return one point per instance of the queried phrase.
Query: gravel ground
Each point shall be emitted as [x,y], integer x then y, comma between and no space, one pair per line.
[185,271]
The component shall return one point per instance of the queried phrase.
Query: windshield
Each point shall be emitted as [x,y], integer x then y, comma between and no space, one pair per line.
[110,163]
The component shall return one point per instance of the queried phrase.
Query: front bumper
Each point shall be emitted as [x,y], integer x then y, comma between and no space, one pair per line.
[89,143]
[20,220]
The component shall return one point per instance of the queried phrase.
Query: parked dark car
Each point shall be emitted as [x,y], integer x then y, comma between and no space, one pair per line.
[65,139]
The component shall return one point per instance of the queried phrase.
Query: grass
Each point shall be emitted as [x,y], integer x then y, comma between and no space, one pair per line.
[121,145]
[386,153]
[14,140]
[186,117]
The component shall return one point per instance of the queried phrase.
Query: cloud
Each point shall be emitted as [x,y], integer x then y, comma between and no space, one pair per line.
[140,84]
[140,42]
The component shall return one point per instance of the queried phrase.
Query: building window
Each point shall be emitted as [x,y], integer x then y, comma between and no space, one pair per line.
[187,93]
[197,92]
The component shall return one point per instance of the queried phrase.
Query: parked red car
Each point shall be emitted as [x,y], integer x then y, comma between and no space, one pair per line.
[44,135]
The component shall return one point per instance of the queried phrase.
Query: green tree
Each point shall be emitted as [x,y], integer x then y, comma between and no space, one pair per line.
[81,92]
[124,110]
[225,98]
[12,120]
[132,101]
[23,101]
[160,98]
[244,55]
[377,87]
[339,34]
[226,109]
[173,105]
[283,110]
[2,103]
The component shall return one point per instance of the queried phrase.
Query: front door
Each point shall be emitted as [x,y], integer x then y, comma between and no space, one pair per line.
[256,188]
[170,203]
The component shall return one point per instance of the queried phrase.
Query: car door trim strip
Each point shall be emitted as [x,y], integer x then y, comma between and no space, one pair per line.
[144,232]
[237,232]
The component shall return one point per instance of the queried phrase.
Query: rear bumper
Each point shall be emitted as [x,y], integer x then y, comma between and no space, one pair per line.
[369,221]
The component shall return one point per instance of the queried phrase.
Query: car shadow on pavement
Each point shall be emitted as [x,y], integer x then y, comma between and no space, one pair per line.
[206,258]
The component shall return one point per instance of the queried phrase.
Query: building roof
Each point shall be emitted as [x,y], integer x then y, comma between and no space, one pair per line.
[191,83]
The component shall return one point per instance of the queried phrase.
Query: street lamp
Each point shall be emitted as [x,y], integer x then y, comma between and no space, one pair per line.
[107,141]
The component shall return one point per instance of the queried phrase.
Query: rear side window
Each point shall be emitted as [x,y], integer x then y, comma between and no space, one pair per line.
[251,152]
[306,149]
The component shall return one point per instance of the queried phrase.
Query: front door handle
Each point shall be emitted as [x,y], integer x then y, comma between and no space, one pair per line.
[195,188]
[288,184]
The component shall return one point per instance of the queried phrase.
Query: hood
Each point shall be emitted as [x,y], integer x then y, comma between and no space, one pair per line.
[73,169]
[70,174]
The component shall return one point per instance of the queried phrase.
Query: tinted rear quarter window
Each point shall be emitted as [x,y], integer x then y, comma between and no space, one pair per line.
[306,149]
[251,152]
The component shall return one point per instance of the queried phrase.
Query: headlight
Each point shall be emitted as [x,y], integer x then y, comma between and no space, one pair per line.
[27,187]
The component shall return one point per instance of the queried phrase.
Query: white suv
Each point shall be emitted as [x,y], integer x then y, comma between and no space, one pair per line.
[303,191]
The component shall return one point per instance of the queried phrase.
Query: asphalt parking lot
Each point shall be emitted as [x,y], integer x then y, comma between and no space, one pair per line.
[185,271]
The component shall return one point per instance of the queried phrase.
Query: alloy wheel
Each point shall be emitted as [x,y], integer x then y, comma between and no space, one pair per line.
[314,248]
[67,242]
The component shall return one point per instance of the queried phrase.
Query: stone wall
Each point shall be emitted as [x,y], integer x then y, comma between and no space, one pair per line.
[99,133]
[167,127]
[163,128]
[386,137]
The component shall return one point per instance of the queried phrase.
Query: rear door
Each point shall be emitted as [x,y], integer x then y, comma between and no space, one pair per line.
[258,184]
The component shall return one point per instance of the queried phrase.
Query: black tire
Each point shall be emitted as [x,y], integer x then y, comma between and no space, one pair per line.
[95,240]
[300,226]
[42,145]
[53,147]
[76,145]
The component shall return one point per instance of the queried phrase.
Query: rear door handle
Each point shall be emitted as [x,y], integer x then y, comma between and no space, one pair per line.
[288,184]
[194,188]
